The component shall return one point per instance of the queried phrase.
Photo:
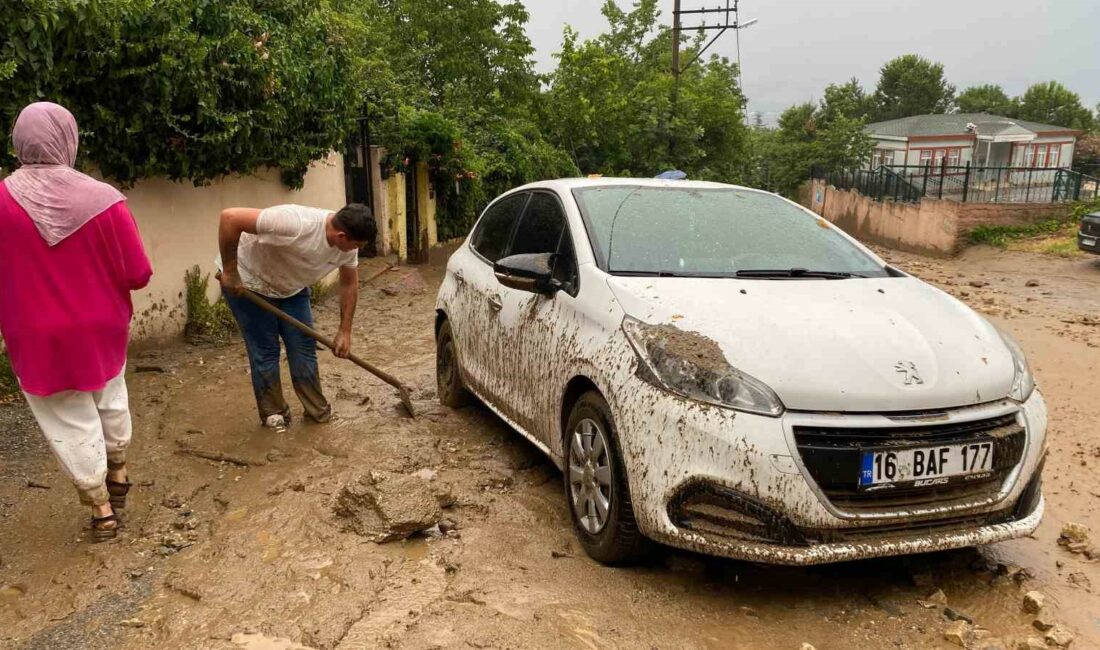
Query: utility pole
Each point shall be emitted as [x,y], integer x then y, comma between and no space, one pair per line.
[729,19]
[675,38]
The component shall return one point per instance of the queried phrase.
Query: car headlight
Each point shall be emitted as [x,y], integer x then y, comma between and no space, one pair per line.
[1023,384]
[693,366]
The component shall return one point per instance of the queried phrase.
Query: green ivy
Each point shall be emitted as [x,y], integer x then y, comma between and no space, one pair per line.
[188,89]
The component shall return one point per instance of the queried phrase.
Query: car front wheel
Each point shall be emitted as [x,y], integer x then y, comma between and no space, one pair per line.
[596,486]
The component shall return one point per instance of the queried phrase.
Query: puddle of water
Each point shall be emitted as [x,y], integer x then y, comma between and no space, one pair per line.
[415,549]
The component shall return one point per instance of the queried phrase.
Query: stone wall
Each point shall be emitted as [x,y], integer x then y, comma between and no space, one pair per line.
[931,227]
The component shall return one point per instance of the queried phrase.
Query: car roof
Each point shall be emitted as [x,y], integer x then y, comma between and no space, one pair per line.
[605,181]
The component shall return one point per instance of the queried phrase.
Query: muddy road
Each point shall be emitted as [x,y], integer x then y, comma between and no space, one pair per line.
[246,551]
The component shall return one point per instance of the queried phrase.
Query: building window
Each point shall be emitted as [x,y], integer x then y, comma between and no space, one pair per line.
[954,156]
[1054,155]
[881,158]
[925,157]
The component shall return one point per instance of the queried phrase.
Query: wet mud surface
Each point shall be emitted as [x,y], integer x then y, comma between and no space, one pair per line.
[239,545]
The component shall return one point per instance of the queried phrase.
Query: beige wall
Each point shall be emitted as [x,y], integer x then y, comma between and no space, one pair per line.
[390,211]
[179,223]
[429,232]
[394,214]
[931,227]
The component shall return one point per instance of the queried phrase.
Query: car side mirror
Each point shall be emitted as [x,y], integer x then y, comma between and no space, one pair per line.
[532,272]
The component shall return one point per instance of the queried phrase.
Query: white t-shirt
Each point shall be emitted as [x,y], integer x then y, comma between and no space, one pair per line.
[289,251]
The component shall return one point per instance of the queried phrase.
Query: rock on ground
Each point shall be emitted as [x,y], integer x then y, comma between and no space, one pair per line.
[960,633]
[1075,533]
[385,507]
[1042,623]
[935,599]
[1059,637]
[1033,602]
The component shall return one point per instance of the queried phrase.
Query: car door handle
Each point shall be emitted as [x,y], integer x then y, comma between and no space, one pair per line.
[495,304]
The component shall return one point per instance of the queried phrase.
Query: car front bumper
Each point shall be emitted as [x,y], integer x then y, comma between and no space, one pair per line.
[1088,243]
[753,498]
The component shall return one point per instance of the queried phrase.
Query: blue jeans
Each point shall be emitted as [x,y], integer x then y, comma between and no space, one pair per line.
[262,332]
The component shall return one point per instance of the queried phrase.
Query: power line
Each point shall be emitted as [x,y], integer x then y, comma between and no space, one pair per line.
[729,19]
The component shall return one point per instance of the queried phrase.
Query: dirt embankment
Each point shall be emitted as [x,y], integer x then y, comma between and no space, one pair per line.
[252,549]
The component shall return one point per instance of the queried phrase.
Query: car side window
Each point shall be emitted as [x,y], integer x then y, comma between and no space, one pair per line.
[494,231]
[543,229]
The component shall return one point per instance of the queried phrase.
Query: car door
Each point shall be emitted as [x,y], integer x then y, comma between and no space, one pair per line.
[530,323]
[478,297]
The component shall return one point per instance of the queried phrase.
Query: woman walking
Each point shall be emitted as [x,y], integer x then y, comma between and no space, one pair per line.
[70,255]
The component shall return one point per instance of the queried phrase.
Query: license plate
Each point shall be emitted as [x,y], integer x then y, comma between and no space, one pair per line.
[1088,241]
[925,466]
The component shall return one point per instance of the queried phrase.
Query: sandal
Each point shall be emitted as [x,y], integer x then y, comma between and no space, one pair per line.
[118,492]
[105,528]
[118,489]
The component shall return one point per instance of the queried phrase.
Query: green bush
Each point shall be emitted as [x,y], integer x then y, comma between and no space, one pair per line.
[206,322]
[1000,235]
[318,292]
[185,89]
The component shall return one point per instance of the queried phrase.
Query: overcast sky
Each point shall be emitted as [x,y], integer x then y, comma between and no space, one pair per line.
[800,46]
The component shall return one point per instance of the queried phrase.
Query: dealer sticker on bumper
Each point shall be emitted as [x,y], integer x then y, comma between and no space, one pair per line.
[925,466]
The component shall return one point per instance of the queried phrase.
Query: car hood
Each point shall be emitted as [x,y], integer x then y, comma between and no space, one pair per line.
[859,345]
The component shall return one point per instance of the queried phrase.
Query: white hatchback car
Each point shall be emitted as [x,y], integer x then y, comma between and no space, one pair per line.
[718,369]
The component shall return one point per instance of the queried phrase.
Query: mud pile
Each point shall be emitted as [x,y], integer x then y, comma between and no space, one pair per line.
[385,507]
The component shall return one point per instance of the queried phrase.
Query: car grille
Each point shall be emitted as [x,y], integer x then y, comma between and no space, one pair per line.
[1090,228]
[832,457]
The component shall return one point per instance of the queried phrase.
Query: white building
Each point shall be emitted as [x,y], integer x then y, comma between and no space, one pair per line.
[976,138]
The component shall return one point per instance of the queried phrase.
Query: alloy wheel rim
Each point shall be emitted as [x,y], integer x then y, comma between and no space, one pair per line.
[590,475]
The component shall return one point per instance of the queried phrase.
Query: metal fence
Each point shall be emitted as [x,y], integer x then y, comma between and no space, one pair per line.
[882,184]
[973,184]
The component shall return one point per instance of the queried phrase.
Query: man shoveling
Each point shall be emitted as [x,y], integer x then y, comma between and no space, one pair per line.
[279,253]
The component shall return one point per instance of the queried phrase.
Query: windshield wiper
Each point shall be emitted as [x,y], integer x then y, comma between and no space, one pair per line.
[796,273]
[650,274]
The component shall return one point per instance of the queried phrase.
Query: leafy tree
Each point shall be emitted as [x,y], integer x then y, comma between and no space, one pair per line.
[462,55]
[805,139]
[847,100]
[188,90]
[1086,155]
[615,106]
[1053,103]
[987,98]
[468,102]
[912,85]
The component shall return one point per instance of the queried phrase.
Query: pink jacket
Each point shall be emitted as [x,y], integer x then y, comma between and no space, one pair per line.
[65,311]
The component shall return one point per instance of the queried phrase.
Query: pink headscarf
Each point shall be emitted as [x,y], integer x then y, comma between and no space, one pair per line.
[59,199]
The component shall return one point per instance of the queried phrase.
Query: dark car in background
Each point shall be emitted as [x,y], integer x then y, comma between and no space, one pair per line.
[1088,239]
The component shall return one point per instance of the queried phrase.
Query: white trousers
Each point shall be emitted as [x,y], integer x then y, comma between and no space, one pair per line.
[85,431]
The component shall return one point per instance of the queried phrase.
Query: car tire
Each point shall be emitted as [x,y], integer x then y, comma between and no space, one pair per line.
[448,374]
[614,538]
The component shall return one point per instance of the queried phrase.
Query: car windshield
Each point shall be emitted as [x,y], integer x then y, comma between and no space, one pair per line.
[720,232]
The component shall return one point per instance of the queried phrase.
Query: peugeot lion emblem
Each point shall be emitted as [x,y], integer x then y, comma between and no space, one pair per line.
[909,369]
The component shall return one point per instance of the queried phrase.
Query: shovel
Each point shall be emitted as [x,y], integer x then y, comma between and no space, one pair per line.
[406,401]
